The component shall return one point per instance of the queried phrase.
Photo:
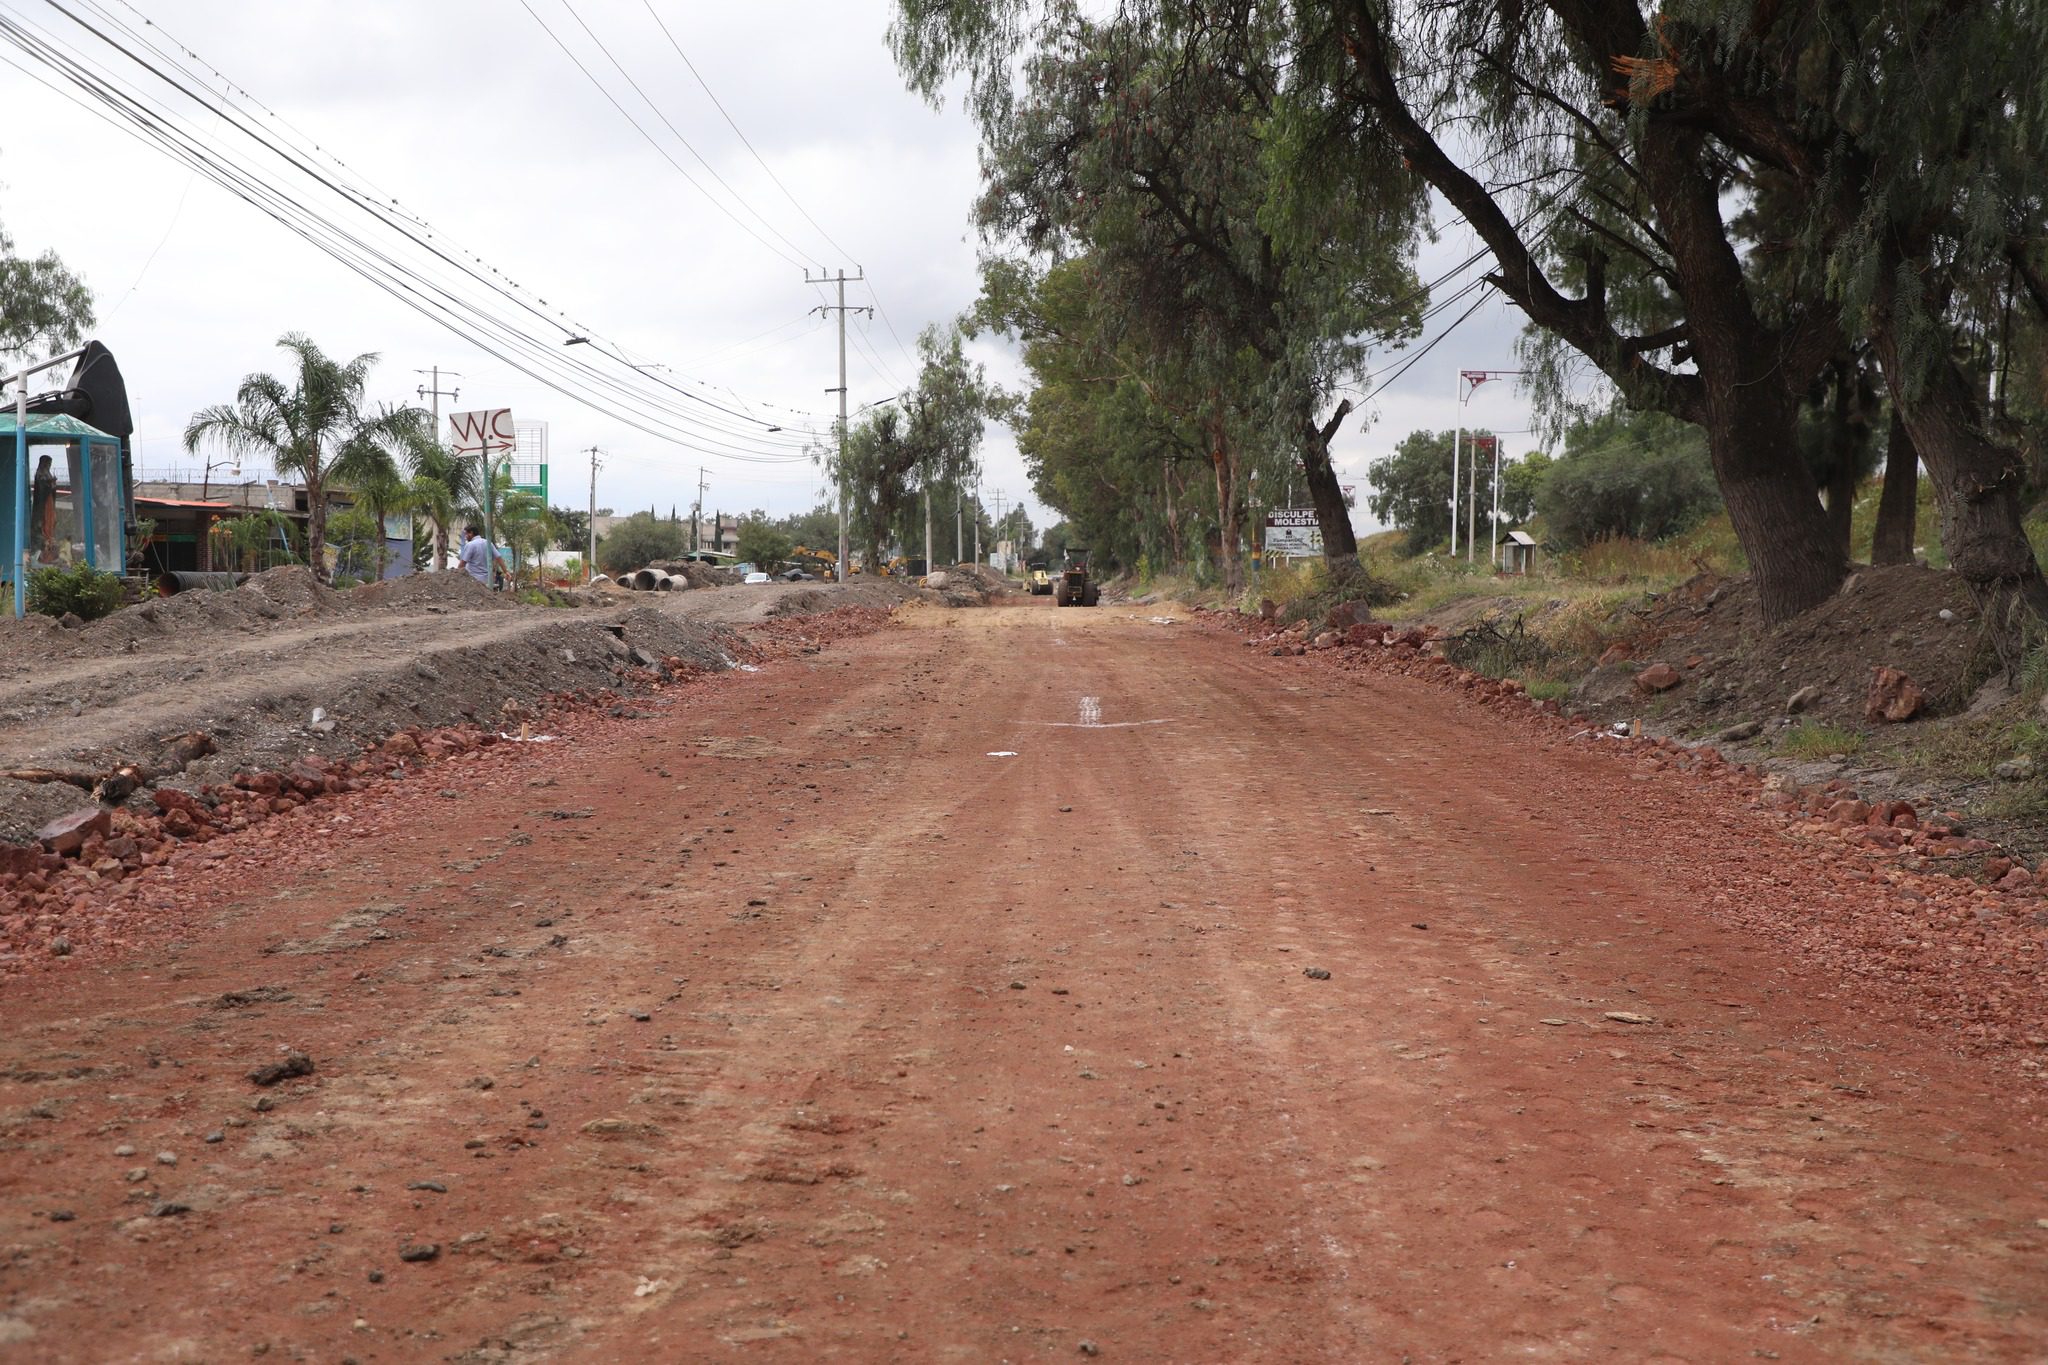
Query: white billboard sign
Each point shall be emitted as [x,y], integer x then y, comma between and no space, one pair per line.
[487,429]
[1294,531]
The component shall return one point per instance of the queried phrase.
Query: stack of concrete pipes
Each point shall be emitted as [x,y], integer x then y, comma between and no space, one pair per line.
[653,580]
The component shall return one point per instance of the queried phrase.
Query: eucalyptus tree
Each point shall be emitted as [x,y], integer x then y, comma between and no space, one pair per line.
[1118,437]
[316,426]
[1168,145]
[1894,150]
[900,454]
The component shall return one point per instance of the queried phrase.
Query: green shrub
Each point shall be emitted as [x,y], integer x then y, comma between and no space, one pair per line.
[1637,476]
[81,590]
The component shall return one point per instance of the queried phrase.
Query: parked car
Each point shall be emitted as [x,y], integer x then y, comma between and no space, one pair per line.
[758,577]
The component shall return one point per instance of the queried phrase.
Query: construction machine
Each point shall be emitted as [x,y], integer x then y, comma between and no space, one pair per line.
[1039,576]
[1076,586]
[823,563]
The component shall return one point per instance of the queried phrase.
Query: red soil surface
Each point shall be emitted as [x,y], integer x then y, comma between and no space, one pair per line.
[781,1019]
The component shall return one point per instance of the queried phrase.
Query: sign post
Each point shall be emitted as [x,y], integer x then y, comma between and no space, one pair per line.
[1294,532]
[485,433]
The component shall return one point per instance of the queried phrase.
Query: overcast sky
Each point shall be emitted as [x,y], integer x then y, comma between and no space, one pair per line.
[470,115]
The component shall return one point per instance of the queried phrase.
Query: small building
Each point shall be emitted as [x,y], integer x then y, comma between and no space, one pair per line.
[1517,552]
[181,532]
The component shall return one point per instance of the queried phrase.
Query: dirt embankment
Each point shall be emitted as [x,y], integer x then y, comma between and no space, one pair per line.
[284,667]
[1733,667]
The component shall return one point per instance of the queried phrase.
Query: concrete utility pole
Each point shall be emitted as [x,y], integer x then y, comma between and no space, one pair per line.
[435,393]
[590,523]
[959,541]
[840,308]
[697,514]
[977,526]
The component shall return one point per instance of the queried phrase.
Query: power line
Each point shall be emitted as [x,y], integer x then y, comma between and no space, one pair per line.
[652,141]
[745,141]
[541,361]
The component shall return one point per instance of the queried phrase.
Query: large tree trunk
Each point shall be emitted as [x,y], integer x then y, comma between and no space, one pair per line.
[1899,504]
[1333,518]
[1841,503]
[1229,515]
[1173,545]
[1977,487]
[1748,401]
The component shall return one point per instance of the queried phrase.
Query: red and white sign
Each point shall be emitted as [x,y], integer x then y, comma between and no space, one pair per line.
[485,430]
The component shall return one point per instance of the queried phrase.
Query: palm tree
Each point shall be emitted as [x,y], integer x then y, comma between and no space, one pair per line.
[317,428]
[443,484]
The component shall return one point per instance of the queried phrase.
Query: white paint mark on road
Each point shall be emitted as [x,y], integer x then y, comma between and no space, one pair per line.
[1002,753]
[1091,712]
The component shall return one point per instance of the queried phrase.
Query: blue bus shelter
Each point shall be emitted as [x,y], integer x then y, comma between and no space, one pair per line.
[63,505]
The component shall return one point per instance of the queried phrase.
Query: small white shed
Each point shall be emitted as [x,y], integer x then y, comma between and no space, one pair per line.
[1517,552]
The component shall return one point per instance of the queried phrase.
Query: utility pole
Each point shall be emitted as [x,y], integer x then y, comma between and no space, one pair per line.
[697,514]
[977,525]
[840,308]
[959,541]
[435,393]
[590,523]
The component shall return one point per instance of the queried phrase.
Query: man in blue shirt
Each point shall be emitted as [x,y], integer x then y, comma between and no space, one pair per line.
[476,555]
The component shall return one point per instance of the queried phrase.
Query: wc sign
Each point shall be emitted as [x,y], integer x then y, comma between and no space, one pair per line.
[486,431]
[1294,531]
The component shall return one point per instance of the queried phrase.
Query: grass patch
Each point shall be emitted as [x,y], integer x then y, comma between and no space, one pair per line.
[1811,739]
[1550,689]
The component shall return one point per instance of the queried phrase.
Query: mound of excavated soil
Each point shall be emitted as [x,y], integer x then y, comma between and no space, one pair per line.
[1732,667]
[264,603]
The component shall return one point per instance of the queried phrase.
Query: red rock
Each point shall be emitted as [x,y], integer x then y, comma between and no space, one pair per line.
[1849,812]
[68,833]
[1694,660]
[178,822]
[1994,868]
[2019,879]
[1893,697]
[1614,653]
[1658,678]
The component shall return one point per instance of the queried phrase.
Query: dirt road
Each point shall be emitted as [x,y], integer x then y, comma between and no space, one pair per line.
[958,993]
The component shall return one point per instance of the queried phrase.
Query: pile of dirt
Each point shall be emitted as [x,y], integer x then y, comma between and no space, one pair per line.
[882,593]
[323,687]
[1731,668]
[966,585]
[261,604]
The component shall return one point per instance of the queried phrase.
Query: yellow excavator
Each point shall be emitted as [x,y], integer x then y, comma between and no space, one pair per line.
[823,563]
